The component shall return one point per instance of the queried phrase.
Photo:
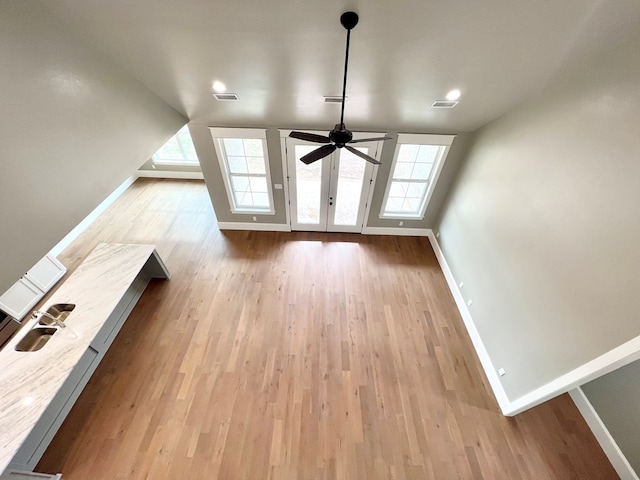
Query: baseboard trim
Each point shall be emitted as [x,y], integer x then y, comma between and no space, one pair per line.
[170,174]
[602,434]
[269,227]
[399,231]
[605,363]
[89,219]
[478,344]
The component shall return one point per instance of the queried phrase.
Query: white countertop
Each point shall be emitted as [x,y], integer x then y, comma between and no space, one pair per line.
[30,380]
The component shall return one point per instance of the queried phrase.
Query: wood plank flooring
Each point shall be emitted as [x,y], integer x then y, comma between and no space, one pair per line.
[296,356]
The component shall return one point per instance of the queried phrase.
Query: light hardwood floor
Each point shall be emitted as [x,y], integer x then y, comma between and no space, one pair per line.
[296,356]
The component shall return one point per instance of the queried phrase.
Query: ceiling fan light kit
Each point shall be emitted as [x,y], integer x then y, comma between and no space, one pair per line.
[340,136]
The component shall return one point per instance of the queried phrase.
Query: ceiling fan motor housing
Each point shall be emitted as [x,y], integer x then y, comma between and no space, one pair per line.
[340,135]
[349,20]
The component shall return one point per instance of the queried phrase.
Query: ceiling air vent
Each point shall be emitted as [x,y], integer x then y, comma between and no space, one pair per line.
[444,104]
[333,99]
[225,97]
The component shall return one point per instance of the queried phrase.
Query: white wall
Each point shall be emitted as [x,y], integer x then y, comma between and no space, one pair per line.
[543,224]
[73,126]
[213,175]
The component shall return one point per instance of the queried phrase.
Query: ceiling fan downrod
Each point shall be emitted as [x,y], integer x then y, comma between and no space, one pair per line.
[340,136]
[348,20]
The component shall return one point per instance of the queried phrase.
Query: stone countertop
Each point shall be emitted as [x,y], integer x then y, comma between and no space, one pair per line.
[30,380]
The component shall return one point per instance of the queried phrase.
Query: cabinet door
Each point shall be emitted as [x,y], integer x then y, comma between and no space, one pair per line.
[46,273]
[18,300]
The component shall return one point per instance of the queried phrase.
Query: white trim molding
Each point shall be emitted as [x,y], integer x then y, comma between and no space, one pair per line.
[269,227]
[602,434]
[219,137]
[399,231]
[426,139]
[481,351]
[607,362]
[232,132]
[170,174]
[89,219]
[285,178]
[443,142]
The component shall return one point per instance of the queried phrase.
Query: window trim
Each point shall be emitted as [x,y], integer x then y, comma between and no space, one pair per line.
[443,141]
[195,163]
[218,135]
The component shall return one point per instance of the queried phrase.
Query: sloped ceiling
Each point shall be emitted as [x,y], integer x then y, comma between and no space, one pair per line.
[282,56]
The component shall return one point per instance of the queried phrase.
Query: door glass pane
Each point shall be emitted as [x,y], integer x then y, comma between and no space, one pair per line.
[308,182]
[350,176]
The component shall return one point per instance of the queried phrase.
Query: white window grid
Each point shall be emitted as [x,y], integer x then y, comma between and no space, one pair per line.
[413,188]
[231,179]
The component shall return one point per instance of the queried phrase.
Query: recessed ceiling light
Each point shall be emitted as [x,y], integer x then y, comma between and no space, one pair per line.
[219,87]
[453,95]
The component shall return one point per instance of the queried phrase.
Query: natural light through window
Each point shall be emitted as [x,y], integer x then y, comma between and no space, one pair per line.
[243,159]
[415,167]
[179,150]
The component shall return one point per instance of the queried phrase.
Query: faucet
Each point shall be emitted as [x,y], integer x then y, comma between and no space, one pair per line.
[55,320]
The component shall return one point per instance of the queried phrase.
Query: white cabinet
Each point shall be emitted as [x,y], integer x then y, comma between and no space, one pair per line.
[18,300]
[46,273]
[29,290]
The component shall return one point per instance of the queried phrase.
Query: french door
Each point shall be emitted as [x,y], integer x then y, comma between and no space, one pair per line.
[331,194]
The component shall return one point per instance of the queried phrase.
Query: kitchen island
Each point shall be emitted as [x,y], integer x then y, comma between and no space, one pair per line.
[38,388]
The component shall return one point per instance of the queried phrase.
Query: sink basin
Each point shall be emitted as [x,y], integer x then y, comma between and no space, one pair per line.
[60,310]
[35,339]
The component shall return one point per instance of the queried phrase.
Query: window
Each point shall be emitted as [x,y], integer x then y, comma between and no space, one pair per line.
[245,166]
[417,162]
[179,150]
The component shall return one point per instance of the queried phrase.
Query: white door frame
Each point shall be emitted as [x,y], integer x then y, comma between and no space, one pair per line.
[370,174]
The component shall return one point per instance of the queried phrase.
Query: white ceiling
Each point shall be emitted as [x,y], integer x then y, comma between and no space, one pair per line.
[282,56]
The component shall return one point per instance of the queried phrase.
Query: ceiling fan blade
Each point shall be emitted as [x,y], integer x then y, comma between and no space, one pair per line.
[361,155]
[370,139]
[310,137]
[318,153]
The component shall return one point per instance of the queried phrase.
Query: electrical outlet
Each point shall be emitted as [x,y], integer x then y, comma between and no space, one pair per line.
[437,234]
[469,303]
[501,372]
[401,223]
[255,219]
[461,285]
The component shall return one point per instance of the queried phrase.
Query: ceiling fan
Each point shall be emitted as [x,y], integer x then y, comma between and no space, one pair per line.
[339,137]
